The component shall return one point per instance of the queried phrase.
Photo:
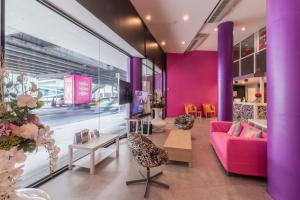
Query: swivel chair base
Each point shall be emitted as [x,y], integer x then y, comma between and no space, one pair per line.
[148,180]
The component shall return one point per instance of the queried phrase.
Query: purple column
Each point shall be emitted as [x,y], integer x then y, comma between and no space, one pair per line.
[137,73]
[225,59]
[283,91]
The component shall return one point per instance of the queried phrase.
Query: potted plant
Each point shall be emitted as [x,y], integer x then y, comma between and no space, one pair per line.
[157,102]
[258,97]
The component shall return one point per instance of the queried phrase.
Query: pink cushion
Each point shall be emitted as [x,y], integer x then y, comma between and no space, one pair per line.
[247,126]
[232,128]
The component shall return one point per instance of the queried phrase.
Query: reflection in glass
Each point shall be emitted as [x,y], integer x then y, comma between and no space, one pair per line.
[247,65]
[236,69]
[147,76]
[261,62]
[77,73]
[247,46]
[236,52]
[158,79]
[262,39]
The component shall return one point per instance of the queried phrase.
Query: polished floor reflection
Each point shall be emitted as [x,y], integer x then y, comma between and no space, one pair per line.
[206,180]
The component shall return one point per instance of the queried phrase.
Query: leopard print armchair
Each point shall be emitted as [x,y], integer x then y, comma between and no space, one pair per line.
[145,152]
[184,122]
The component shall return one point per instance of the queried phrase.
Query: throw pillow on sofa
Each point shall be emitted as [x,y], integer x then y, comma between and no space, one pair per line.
[230,132]
[235,129]
[252,133]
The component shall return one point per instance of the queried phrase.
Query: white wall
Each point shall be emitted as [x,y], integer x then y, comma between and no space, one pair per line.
[251,89]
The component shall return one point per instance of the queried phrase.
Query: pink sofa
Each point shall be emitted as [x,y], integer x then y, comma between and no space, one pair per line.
[240,155]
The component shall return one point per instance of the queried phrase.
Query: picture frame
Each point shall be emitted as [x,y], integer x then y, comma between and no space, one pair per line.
[85,136]
[96,133]
[77,138]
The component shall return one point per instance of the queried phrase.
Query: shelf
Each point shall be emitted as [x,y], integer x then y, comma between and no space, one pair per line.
[100,155]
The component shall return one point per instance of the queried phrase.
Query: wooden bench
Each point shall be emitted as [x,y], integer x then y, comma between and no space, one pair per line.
[179,146]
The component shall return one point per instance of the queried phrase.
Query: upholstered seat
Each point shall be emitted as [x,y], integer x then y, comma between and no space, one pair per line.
[148,155]
[190,109]
[184,122]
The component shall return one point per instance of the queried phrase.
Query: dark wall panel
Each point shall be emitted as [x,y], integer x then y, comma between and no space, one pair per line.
[123,19]
[152,50]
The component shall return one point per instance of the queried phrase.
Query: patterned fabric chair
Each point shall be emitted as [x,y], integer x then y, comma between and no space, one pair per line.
[148,155]
[184,122]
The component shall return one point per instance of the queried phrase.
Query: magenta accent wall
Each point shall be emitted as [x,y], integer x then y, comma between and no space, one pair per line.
[191,78]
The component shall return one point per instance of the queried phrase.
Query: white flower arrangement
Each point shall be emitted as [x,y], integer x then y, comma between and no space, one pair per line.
[26,101]
[21,131]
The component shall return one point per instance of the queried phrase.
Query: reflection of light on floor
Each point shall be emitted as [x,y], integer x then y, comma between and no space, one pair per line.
[36,165]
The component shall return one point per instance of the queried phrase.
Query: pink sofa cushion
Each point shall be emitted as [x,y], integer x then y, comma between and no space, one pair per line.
[237,130]
[246,128]
[251,133]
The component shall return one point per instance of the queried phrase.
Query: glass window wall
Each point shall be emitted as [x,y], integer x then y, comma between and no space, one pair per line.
[76,72]
[250,55]
[147,76]
[158,79]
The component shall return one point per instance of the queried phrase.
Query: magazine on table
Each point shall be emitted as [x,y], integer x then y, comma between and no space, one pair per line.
[85,136]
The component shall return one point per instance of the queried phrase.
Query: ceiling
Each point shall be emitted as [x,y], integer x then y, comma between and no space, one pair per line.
[167,23]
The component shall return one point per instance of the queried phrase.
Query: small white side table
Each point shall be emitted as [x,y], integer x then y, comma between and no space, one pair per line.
[92,146]
[199,114]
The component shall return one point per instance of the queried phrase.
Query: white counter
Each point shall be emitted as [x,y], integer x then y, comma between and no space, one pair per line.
[245,111]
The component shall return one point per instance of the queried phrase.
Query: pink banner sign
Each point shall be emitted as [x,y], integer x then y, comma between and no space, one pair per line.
[77,89]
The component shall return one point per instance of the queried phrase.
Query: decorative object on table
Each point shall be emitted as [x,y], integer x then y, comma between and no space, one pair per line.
[148,155]
[190,109]
[85,136]
[140,100]
[184,122]
[21,131]
[147,128]
[96,133]
[209,110]
[157,104]
[92,135]
[257,98]
[77,138]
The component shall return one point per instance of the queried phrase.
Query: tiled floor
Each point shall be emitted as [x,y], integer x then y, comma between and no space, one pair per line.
[206,180]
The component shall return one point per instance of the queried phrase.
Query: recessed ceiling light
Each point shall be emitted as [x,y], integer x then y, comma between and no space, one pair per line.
[243,28]
[216,29]
[183,42]
[148,17]
[163,43]
[185,17]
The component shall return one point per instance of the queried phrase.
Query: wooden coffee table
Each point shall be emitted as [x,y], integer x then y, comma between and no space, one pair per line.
[179,146]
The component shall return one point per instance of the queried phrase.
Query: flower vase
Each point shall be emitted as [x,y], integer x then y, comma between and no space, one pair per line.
[10,175]
[32,193]
[158,123]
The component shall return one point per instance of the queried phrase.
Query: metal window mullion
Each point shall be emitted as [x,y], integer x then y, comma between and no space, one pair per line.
[240,59]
